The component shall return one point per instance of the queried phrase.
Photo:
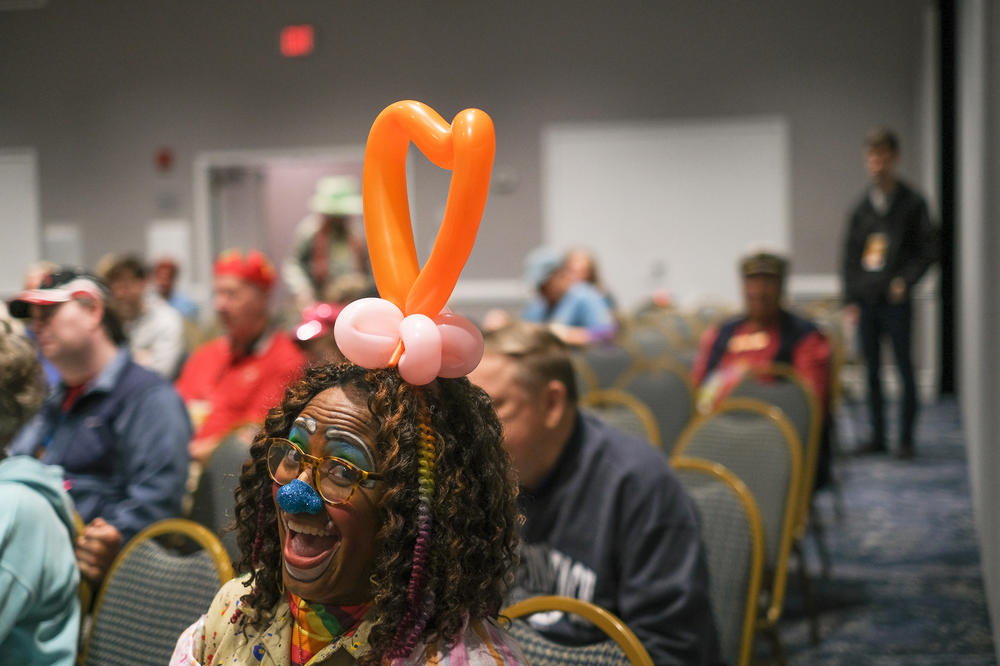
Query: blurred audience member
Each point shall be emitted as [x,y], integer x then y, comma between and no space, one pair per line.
[314,334]
[119,431]
[890,244]
[605,519]
[327,249]
[32,278]
[766,333]
[165,273]
[574,310]
[155,330]
[233,380]
[582,267]
[40,612]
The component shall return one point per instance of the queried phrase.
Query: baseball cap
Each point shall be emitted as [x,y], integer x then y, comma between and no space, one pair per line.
[764,263]
[540,264]
[61,285]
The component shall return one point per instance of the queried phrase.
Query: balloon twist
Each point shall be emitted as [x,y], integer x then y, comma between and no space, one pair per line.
[411,328]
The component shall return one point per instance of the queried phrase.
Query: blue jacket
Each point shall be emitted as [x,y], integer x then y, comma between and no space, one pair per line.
[582,305]
[123,445]
[39,606]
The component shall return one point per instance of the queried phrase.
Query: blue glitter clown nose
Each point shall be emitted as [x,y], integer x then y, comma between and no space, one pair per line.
[299,497]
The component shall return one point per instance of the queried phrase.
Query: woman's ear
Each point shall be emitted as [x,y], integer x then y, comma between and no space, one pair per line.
[554,398]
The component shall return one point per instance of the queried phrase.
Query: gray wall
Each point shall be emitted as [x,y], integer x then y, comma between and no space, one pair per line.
[978,248]
[97,87]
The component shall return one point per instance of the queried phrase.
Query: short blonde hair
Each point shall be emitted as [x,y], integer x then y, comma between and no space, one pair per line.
[540,355]
[22,383]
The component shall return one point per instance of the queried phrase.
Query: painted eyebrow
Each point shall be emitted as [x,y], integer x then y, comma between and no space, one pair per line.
[306,422]
[333,433]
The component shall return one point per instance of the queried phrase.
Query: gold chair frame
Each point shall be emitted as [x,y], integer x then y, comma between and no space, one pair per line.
[726,477]
[667,364]
[810,446]
[779,577]
[198,533]
[618,397]
[606,621]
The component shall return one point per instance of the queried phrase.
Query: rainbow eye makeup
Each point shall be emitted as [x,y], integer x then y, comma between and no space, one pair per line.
[344,445]
[339,443]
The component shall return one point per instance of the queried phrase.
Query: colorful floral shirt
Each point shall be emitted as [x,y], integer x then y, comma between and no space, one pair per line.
[215,640]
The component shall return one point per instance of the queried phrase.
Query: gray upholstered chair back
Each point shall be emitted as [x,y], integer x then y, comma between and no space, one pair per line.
[213,503]
[664,387]
[623,411]
[606,363]
[787,395]
[734,544]
[780,385]
[540,651]
[151,595]
[757,443]
[648,341]
[623,646]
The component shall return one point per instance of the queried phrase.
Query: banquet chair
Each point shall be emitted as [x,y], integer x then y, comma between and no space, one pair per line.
[664,386]
[603,364]
[621,648]
[647,341]
[733,534]
[781,385]
[152,593]
[213,503]
[756,442]
[623,411]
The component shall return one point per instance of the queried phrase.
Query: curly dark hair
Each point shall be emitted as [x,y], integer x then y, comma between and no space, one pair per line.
[22,383]
[473,542]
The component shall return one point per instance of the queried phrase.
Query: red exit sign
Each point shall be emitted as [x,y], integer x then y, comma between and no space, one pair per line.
[297,41]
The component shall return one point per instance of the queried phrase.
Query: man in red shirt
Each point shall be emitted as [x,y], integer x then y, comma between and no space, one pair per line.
[233,380]
[765,334]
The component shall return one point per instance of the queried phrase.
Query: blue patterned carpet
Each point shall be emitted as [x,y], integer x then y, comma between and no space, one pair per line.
[905,586]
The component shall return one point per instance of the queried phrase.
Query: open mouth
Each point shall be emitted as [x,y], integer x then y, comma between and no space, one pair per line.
[308,549]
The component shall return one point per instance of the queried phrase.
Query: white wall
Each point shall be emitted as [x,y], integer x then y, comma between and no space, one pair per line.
[98,87]
[979,247]
[20,241]
[668,205]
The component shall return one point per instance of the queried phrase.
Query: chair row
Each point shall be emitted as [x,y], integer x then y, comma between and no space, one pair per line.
[177,565]
[758,444]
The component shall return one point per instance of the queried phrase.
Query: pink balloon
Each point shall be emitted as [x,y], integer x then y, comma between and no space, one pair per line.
[421,359]
[461,345]
[367,331]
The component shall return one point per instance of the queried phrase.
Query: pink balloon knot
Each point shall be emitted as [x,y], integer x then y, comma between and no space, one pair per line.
[371,332]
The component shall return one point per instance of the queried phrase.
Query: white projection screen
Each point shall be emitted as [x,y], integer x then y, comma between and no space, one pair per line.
[668,205]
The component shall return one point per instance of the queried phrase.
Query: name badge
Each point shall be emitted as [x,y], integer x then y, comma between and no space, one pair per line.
[876,247]
[748,342]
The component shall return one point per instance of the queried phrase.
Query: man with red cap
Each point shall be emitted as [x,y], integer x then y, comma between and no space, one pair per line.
[233,380]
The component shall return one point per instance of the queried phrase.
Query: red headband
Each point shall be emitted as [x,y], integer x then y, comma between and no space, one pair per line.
[254,267]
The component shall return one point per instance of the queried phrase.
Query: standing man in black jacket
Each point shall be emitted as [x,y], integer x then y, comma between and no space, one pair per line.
[891,242]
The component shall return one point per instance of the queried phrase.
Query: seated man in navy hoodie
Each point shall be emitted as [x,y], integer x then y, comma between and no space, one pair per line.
[119,431]
[605,519]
